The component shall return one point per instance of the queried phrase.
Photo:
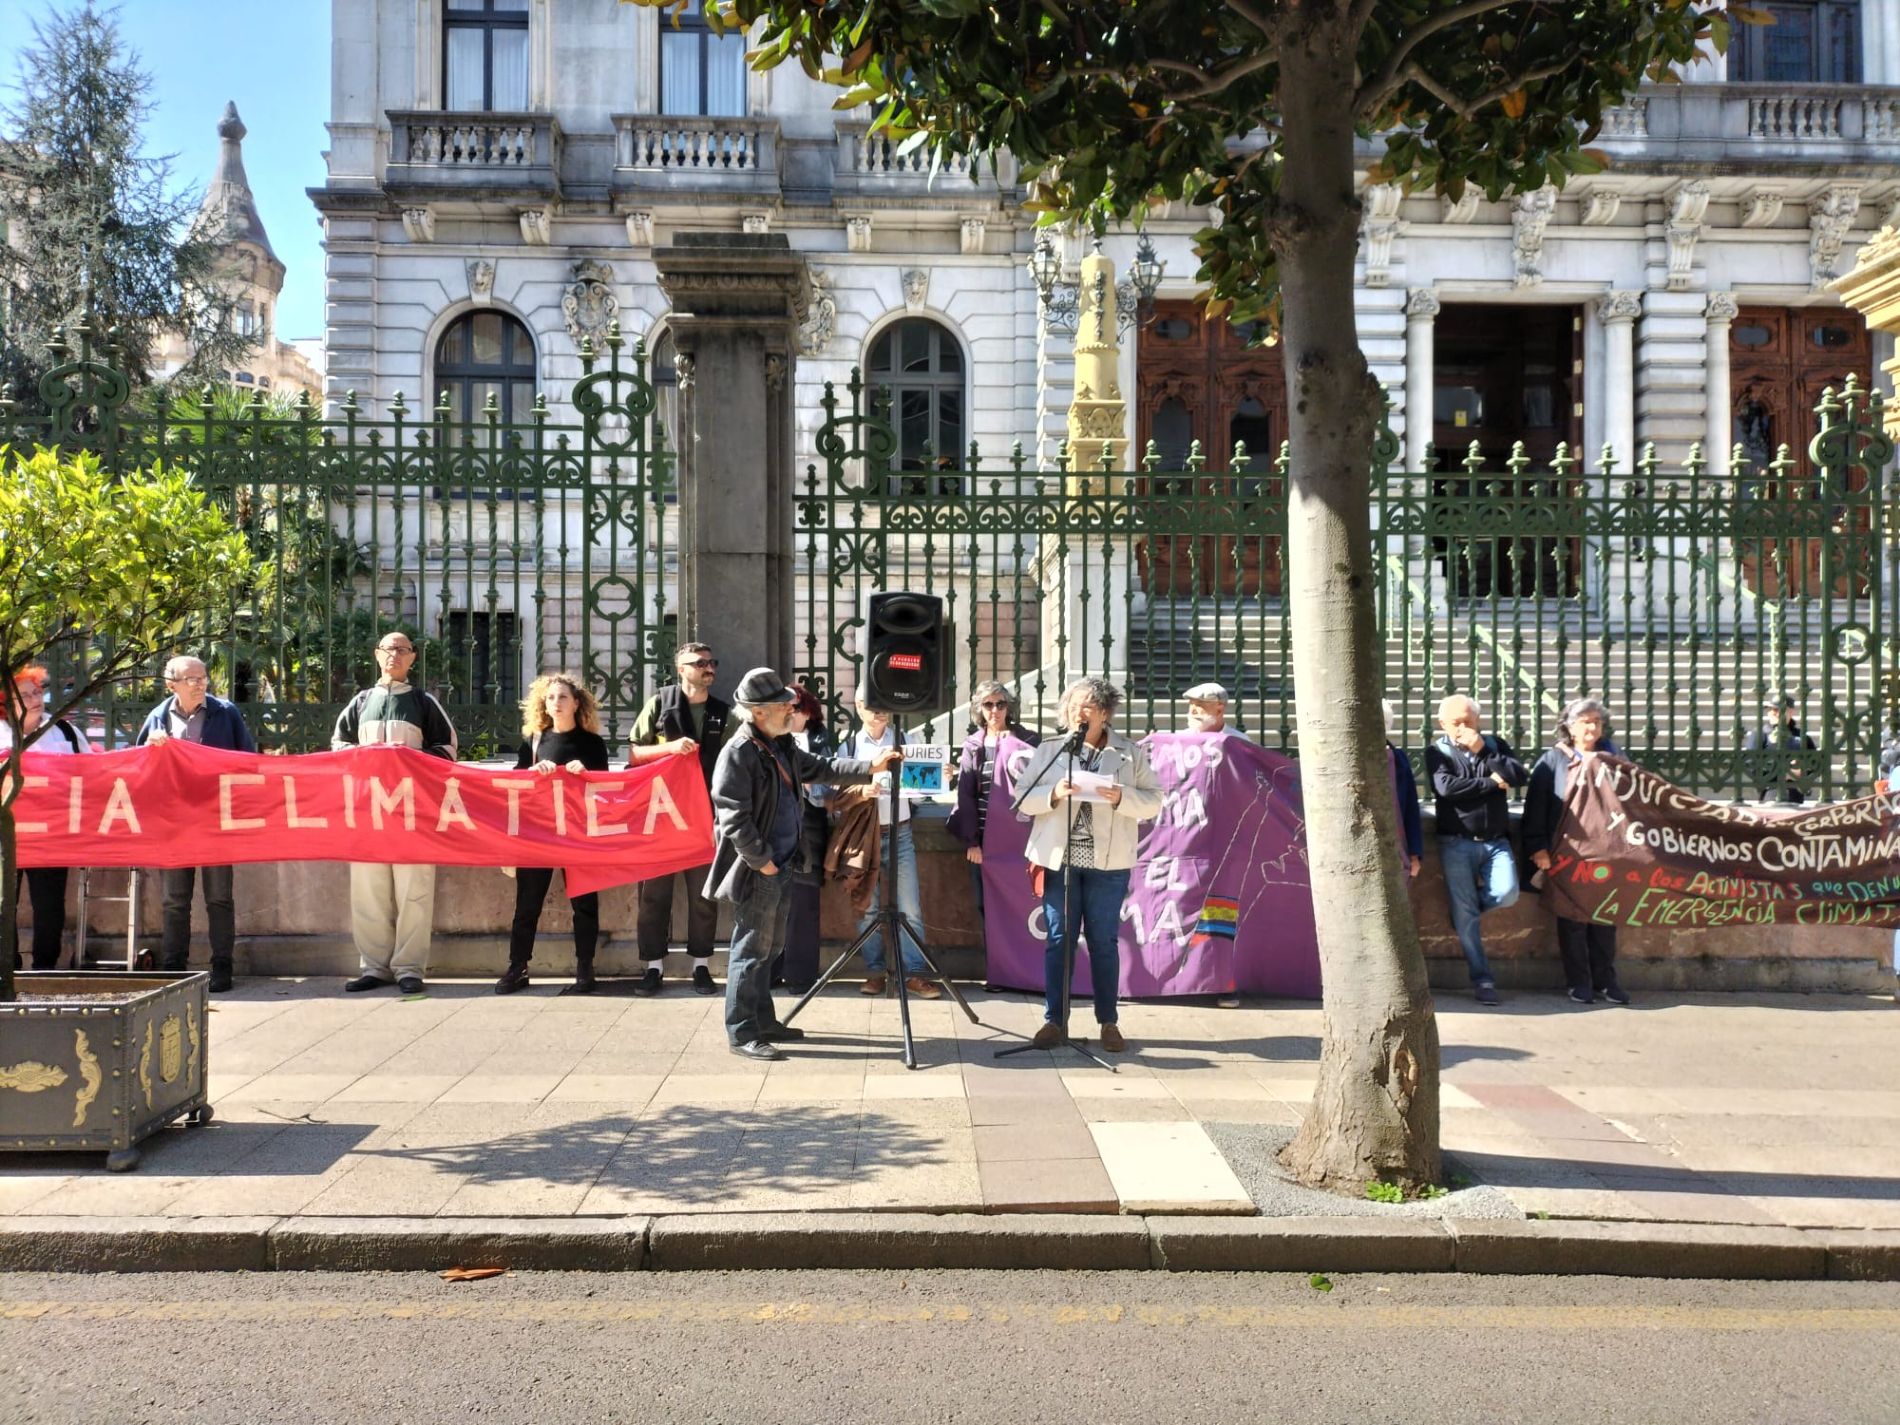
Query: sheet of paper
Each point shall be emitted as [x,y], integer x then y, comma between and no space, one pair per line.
[1089,785]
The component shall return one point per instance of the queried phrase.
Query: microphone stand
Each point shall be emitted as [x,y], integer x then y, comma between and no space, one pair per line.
[1069,930]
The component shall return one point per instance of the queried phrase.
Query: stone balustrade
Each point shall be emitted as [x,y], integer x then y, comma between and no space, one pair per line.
[447,153]
[1830,123]
[694,151]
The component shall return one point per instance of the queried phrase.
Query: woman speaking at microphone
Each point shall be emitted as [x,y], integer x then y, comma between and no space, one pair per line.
[1087,793]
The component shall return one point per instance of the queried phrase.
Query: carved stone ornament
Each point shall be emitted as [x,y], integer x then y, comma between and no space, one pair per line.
[1377,229]
[418,224]
[973,232]
[1422,303]
[916,282]
[1890,220]
[683,368]
[821,317]
[537,227]
[1599,208]
[755,223]
[589,305]
[1830,216]
[857,232]
[1530,215]
[481,281]
[1464,210]
[640,229]
[1761,209]
[1621,306]
[775,371]
[1721,307]
[1687,204]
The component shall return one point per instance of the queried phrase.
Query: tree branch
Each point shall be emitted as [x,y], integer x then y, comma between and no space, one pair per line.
[1391,74]
[1252,16]
[1212,84]
[1465,108]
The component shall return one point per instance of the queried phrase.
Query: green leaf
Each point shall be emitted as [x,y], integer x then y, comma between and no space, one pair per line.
[1320,1282]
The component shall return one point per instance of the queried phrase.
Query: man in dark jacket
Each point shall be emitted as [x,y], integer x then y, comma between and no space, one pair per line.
[192,714]
[1471,770]
[683,719]
[759,814]
[1778,774]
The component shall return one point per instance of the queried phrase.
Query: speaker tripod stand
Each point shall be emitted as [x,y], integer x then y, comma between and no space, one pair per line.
[895,927]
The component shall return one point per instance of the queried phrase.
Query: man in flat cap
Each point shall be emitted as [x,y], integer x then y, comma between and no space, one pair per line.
[759,812]
[1207,710]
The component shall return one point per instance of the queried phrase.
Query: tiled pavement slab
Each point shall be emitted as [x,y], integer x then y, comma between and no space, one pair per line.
[1747,1109]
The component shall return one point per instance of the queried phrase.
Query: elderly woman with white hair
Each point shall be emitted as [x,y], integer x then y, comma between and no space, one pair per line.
[1084,837]
[993,717]
[1588,950]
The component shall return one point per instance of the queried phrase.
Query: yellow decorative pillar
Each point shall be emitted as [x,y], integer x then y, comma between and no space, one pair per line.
[1873,290]
[1098,415]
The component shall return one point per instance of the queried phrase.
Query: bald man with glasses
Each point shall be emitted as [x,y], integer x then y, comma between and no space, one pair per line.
[392,908]
[192,714]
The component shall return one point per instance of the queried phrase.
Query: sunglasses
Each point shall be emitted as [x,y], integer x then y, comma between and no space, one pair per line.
[987,707]
[704,663]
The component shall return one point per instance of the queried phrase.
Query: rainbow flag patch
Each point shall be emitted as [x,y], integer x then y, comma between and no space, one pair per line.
[1220,915]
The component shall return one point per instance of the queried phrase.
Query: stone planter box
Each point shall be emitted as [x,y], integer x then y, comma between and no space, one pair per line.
[98,1062]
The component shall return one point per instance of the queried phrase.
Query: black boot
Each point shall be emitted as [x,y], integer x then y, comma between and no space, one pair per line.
[515,977]
[584,981]
[220,977]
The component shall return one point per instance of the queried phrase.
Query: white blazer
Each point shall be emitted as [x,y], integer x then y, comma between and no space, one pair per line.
[1117,828]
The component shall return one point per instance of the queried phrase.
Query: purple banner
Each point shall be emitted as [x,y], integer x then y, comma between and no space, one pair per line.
[1219,900]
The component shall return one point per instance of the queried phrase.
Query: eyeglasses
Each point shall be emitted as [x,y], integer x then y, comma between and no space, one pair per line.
[189,680]
[991,707]
[396,648]
[704,663]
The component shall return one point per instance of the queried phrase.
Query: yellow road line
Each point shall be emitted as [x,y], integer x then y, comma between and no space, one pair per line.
[1328,1315]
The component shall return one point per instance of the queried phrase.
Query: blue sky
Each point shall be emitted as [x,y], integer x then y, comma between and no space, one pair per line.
[273,58]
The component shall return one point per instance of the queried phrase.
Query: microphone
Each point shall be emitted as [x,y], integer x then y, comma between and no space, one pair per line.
[1077,737]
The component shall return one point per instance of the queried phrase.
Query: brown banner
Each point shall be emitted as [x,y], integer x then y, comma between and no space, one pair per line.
[1634,850]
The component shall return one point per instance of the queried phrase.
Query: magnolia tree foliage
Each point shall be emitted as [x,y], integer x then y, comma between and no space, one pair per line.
[108,567]
[1249,112]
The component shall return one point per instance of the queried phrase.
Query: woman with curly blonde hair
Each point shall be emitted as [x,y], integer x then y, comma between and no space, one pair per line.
[560,732]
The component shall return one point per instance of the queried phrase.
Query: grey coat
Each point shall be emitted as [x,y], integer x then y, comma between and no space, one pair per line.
[745,792]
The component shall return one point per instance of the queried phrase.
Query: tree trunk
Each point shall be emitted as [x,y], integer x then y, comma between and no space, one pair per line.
[1375,1108]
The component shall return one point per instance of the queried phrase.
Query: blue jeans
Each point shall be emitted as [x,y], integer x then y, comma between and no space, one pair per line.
[758,933]
[1479,876]
[909,900]
[1098,895]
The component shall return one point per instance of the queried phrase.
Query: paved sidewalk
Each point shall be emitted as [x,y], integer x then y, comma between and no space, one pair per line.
[1757,1109]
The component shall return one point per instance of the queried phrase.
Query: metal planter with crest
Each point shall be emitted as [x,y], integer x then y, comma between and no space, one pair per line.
[100,1061]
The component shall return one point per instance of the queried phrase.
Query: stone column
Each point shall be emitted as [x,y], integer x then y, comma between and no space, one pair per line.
[1719,312]
[1873,290]
[1421,311]
[1097,415]
[737,301]
[1619,311]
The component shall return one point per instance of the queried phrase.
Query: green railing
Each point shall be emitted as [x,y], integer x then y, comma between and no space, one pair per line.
[1682,596]
[505,549]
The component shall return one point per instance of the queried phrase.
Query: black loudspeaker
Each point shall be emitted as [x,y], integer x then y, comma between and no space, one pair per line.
[906,653]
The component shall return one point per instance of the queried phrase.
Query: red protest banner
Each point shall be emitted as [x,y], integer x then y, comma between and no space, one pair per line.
[179,804]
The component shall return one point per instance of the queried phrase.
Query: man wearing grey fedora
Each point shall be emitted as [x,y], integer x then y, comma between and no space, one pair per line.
[758,814]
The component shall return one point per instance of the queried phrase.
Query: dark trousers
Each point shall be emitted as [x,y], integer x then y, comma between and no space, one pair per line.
[758,932]
[46,889]
[798,962]
[174,946]
[531,893]
[656,915]
[1589,954]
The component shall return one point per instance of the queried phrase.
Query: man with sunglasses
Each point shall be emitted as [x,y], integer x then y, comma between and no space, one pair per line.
[683,719]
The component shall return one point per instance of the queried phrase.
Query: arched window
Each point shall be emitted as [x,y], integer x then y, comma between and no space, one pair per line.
[920,365]
[485,354]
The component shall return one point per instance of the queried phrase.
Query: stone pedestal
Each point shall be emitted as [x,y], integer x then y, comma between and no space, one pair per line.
[737,301]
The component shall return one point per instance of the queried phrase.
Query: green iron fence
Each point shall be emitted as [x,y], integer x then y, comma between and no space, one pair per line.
[1683,596]
[503,549]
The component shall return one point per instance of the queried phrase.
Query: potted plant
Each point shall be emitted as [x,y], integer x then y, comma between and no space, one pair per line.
[100,573]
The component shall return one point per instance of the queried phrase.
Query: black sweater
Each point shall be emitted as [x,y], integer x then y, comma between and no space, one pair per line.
[1470,804]
[587,748]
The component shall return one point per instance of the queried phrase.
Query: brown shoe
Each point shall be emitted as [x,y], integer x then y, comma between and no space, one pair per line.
[923,989]
[1047,1037]
[1112,1041]
[873,985]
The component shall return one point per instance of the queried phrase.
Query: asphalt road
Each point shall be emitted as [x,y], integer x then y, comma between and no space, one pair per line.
[1104,1348]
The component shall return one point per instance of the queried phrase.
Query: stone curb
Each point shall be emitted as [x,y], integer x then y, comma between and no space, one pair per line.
[918,1241]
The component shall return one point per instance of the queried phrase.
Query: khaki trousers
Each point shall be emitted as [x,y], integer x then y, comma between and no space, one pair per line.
[392,912]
